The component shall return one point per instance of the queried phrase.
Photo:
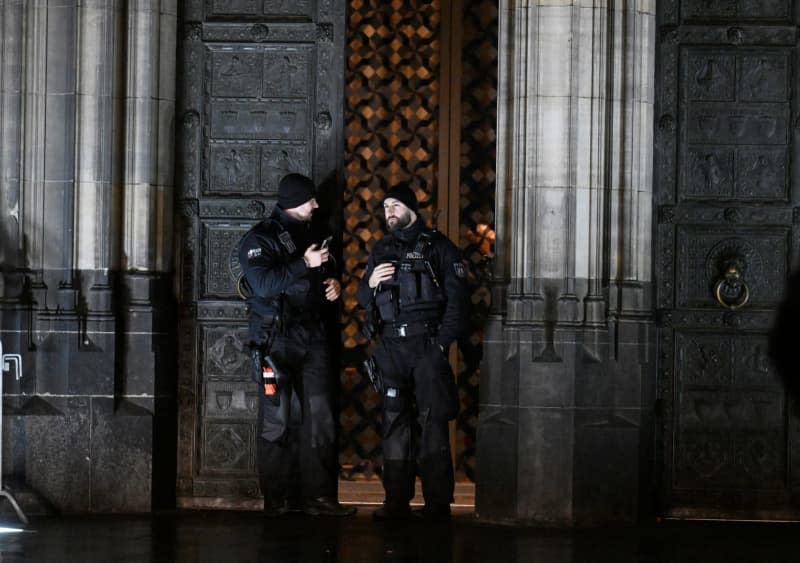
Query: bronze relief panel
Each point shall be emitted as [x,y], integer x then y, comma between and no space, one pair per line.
[706,253]
[737,124]
[220,242]
[226,448]
[729,9]
[731,426]
[270,8]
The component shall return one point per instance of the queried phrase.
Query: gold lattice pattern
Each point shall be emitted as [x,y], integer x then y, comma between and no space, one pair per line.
[391,137]
[391,129]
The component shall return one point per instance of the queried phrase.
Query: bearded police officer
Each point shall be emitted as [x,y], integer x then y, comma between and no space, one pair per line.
[289,279]
[415,294]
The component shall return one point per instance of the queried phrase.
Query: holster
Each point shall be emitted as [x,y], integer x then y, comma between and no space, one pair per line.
[374,374]
[371,323]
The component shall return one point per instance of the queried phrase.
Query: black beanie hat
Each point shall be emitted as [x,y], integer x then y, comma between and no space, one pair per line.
[294,190]
[403,194]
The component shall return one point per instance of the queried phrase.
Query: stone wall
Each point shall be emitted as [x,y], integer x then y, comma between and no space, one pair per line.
[86,165]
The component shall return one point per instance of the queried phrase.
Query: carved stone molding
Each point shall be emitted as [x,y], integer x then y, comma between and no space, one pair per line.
[247,33]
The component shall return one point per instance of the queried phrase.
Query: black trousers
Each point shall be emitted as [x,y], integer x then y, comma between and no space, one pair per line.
[419,399]
[297,448]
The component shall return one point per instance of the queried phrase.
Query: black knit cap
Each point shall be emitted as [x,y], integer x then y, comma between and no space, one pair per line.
[294,190]
[403,194]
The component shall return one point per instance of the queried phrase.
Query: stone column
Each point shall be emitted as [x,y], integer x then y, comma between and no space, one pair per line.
[148,379]
[149,135]
[564,389]
[11,49]
[86,162]
[97,186]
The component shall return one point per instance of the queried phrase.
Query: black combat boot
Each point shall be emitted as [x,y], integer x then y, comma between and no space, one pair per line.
[327,506]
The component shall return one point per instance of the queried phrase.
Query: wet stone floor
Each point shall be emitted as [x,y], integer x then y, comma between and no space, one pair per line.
[193,536]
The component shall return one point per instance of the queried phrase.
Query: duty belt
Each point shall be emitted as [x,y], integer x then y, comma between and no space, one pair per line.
[406,330]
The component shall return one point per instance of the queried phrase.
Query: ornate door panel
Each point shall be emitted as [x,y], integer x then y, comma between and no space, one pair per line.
[261,93]
[727,230]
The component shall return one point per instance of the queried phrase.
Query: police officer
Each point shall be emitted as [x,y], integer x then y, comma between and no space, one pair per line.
[414,289]
[289,281]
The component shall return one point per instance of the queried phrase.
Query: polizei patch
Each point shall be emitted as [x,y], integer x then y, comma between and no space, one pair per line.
[458,268]
[253,253]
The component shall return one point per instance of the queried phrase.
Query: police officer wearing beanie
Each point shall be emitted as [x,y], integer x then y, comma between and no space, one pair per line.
[289,280]
[414,287]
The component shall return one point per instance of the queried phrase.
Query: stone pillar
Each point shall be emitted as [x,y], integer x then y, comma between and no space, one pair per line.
[565,390]
[86,161]
[11,48]
[148,380]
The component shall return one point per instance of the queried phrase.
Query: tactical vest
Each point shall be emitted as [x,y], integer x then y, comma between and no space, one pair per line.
[415,290]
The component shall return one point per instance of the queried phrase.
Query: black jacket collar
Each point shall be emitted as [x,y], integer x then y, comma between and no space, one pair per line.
[408,235]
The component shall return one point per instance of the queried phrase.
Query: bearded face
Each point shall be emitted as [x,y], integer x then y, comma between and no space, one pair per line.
[303,212]
[398,216]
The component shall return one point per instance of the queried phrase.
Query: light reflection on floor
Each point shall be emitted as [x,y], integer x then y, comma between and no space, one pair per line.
[198,537]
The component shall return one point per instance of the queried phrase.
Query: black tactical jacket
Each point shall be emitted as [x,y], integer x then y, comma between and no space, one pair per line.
[283,289]
[449,306]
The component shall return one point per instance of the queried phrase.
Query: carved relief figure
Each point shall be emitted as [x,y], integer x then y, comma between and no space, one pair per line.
[706,363]
[709,360]
[235,75]
[711,78]
[755,79]
[705,75]
[233,166]
[227,353]
[757,361]
[225,447]
[281,163]
[234,69]
[709,177]
[284,76]
[761,175]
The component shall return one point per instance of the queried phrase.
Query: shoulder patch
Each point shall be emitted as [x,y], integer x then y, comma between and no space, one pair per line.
[254,253]
[458,268]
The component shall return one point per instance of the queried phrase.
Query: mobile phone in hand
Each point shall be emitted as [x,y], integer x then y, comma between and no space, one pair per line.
[326,242]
